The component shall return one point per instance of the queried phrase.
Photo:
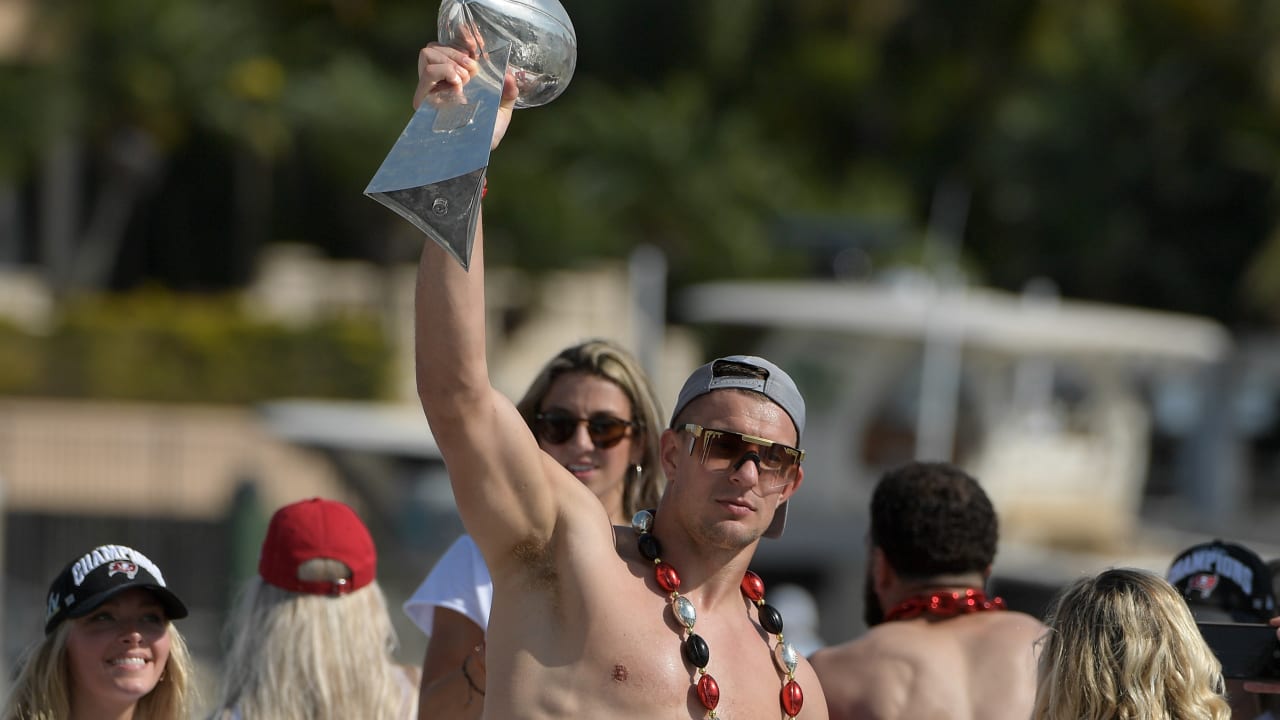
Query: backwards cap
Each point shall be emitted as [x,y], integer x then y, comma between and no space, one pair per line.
[1223,581]
[314,529]
[767,379]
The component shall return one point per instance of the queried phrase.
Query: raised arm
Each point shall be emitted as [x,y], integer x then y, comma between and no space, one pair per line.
[495,466]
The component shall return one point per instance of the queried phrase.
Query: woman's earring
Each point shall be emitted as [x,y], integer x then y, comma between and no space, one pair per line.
[639,471]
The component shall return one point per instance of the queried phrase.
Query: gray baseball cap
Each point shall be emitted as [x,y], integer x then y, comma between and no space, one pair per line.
[747,372]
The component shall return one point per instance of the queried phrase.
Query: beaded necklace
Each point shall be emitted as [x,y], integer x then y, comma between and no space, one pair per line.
[695,649]
[944,605]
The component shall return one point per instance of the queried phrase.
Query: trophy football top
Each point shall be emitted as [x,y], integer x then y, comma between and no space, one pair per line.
[544,47]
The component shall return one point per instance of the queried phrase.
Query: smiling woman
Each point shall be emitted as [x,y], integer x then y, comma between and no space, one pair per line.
[109,649]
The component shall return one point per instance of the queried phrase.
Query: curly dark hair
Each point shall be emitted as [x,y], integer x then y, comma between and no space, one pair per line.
[931,519]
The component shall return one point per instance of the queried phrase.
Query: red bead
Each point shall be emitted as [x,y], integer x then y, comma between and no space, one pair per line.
[667,577]
[708,692]
[753,587]
[792,699]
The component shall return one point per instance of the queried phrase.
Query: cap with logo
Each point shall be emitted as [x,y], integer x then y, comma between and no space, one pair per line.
[1224,582]
[99,575]
[317,529]
[759,375]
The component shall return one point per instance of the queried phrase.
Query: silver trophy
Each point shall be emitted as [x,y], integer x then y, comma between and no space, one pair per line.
[434,174]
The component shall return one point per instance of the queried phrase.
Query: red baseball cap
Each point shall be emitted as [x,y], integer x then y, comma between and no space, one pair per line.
[311,529]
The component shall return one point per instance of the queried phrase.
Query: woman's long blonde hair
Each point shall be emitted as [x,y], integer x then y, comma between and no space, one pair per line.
[608,360]
[309,656]
[42,690]
[1124,646]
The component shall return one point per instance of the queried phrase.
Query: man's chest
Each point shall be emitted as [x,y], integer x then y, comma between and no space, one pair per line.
[652,660]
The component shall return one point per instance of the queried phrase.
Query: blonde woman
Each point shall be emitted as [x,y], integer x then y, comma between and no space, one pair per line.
[592,409]
[1123,646]
[110,651]
[310,634]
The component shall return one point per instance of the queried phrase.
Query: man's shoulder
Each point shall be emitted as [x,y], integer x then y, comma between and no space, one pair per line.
[872,647]
[991,630]
[1018,623]
[867,677]
[906,640]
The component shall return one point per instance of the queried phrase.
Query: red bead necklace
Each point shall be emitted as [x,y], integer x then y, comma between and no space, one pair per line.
[944,605]
[695,649]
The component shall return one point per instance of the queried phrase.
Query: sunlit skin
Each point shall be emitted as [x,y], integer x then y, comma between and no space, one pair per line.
[603,470]
[116,655]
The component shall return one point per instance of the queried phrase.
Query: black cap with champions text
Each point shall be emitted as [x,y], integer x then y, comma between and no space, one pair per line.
[1224,582]
[101,574]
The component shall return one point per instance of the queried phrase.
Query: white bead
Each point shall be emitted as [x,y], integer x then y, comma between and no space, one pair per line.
[642,521]
[684,611]
[790,658]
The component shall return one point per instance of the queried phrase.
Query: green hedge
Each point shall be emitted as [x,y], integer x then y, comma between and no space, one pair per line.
[160,346]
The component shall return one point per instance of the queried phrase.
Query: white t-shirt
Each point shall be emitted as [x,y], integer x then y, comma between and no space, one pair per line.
[459,581]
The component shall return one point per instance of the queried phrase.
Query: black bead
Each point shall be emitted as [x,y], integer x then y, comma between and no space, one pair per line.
[770,619]
[649,547]
[696,651]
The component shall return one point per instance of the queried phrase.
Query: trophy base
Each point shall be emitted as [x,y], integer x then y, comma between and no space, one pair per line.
[434,174]
[446,211]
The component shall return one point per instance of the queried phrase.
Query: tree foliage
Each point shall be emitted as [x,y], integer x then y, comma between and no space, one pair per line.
[1128,150]
[152,345]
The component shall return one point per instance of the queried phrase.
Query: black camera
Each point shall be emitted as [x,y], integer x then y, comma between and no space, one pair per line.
[1247,651]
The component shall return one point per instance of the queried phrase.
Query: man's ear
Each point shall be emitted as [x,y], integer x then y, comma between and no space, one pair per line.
[791,489]
[670,449]
[883,575]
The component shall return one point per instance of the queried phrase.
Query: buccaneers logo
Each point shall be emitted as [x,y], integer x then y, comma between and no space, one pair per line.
[1204,583]
[122,566]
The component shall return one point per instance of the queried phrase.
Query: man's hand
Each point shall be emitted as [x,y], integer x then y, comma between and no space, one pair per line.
[442,68]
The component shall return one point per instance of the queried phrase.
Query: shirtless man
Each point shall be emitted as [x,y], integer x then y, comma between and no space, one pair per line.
[581,626]
[936,652]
